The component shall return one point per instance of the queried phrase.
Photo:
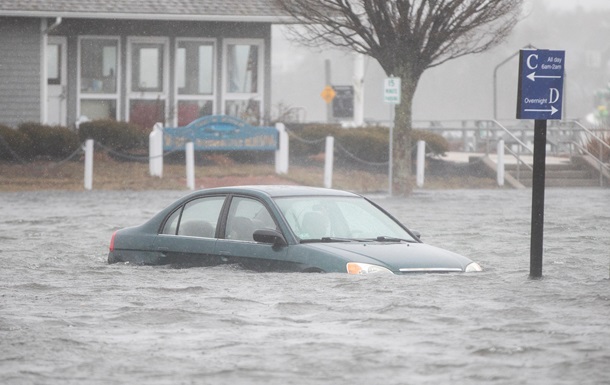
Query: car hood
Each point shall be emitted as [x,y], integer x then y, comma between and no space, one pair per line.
[403,257]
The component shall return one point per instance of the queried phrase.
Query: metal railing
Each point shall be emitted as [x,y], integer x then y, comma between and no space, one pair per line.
[516,155]
[590,136]
[565,138]
[602,166]
[473,133]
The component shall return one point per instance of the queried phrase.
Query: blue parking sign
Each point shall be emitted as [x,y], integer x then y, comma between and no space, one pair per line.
[540,91]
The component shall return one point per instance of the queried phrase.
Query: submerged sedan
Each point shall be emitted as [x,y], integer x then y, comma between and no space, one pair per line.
[282,228]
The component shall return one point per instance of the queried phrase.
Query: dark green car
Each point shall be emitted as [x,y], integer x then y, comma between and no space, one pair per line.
[281,228]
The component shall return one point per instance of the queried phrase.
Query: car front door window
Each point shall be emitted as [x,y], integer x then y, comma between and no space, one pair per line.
[245,216]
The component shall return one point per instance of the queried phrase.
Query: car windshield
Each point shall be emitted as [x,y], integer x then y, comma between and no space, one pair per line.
[332,218]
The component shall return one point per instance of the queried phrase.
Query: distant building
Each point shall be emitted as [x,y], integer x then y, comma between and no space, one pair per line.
[138,61]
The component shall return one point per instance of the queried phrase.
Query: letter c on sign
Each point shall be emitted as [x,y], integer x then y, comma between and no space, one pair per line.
[529,64]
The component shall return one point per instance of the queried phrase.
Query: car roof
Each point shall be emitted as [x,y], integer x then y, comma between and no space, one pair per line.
[275,191]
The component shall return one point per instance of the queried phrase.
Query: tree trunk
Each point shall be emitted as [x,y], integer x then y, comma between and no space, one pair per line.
[402,183]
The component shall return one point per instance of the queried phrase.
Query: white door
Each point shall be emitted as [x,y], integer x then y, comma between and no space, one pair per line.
[56,80]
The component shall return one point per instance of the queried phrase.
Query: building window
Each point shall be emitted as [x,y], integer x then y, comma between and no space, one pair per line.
[248,110]
[242,68]
[195,74]
[147,67]
[54,64]
[243,74]
[195,68]
[146,113]
[147,80]
[189,110]
[98,108]
[98,77]
[98,66]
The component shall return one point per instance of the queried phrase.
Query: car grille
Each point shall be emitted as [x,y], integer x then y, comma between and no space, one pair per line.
[407,270]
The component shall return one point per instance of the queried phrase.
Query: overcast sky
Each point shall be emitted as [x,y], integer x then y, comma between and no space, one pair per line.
[459,89]
[571,4]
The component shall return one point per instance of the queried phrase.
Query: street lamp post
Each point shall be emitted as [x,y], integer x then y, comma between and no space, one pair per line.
[495,98]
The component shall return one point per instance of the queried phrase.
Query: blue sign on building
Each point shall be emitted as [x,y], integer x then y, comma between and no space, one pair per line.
[221,133]
[540,91]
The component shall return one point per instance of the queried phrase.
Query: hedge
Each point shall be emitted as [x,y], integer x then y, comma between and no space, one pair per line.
[369,144]
[118,136]
[13,143]
[49,142]
[32,141]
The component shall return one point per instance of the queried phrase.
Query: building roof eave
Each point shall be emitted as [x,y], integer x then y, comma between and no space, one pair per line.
[151,16]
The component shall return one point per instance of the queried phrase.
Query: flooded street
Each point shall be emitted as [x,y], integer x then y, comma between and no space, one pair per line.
[68,317]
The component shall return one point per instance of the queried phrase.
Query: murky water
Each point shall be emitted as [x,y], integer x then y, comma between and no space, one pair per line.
[66,317]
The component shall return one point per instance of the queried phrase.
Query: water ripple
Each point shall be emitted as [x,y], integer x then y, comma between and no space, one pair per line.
[68,317]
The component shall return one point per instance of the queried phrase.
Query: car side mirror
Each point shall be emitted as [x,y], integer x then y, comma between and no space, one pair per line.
[270,236]
[416,233]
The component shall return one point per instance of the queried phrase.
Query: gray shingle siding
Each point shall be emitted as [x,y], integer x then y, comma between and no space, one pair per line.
[136,9]
[19,70]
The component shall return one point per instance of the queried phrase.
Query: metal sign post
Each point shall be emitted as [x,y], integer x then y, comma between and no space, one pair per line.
[391,95]
[539,97]
[539,175]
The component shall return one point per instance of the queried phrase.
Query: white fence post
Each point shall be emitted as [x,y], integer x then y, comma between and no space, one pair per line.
[281,154]
[500,163]
[421,162]
[155,150]
[328,162]
[88,164]
[190,165]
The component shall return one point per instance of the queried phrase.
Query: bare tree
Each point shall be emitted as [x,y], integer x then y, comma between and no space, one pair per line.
[406,37]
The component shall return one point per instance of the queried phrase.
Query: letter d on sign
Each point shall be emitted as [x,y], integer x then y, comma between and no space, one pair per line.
[554,95]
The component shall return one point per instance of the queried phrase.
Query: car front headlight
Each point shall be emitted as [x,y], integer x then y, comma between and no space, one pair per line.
[473,267]
[365,268]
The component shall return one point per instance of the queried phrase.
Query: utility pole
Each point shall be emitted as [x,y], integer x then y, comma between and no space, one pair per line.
[329,107]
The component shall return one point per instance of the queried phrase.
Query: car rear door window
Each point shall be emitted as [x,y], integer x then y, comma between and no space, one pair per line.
[198,218]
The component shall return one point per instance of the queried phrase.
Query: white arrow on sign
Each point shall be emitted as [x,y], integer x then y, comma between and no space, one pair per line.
[533,77]
[552,110]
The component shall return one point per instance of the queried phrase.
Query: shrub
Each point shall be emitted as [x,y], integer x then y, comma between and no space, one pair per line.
[435,143]
[115,135]
[369,144]
[307,140]
[14,145]
[249,156]
[601,152]
[49,142]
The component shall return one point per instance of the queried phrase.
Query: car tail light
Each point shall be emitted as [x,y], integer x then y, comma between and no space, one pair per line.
[112,241]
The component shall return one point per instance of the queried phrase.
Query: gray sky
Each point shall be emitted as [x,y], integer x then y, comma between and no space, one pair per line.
[572,4]
[459,89]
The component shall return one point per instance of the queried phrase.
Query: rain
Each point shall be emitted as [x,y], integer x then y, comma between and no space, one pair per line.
[68,316]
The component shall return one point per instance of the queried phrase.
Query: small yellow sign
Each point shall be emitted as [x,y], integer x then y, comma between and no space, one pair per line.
[328,94]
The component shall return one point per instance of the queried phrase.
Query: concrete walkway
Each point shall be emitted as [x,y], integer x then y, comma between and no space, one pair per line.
[463,157]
